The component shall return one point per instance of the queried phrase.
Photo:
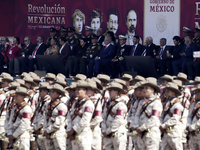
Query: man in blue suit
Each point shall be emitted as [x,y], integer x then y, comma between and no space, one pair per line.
[106,54]
[187,56]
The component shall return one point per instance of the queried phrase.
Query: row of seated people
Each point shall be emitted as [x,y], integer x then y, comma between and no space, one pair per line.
[90,57]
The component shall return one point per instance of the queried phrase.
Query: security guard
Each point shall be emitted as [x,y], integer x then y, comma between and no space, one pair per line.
[119,61]
[53,32]
[196,38]
[63,32]
[92,51]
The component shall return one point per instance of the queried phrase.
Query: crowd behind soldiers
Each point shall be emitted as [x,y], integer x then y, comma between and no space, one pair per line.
[95,113]
[101,53]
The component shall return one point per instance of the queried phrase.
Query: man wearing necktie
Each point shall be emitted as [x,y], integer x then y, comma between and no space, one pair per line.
[161,57]
[137,48]
[30,61]
[106,54]
[186,56]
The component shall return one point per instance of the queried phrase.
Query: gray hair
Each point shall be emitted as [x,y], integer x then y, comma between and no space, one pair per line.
[188,37]
[6,39]
[28,37]
[164,40]
[100,29]
[150,38]
[109,38]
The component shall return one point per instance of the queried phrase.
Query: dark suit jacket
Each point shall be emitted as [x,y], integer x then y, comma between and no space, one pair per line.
[176,51]
[138,51]
[108,53]
[40,50]
[101,39]
[65,53]
[149,50]
[164,54]
[188,50]
[28,51]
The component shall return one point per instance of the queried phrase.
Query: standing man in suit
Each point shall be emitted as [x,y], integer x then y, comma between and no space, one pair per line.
[118,61]
[175,54]
[186,56]
[161,57]
[64,51]
[24,52]
[137,48]
[106,54]
[100,35]
[150,48]
[30,61]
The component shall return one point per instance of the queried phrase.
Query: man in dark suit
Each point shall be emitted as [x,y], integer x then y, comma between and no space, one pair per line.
[91,53]
[100,35]
[24,52]
[161,57]
[30,61]
[137,48]
[150,49]
[174,54]
[64,51]
[118,61]
[186,56]
[106,54]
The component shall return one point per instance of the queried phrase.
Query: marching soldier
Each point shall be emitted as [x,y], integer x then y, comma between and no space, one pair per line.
[113,125]
[20,124]
[149,117]
[54,121]
[97,114]
[53,32]
[38,122]
[92,51]
[50,78]
[78,129]
[171,119]
[193,121]
[128,78]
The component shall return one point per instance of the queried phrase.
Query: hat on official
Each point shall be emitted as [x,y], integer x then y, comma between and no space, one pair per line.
[94,36]
[70,29]
[21,82]
[186,30]
[196,30]
[116,86]
[173,87]
[22,75]
[166,77]
[88,28]
[122,82]
[98,82]
[29,80]
[79,77]
[72,86]
[13,85]
[152,82]
[127,77]
[138,78]
[7,77]
[122,37]
[103,78]
[182,76]
[50,76]
[21,91]
[43,85]
[52,29]
[57,87]
[63,29]
[92,84]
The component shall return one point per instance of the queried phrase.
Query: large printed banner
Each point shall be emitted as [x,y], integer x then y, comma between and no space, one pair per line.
[156,18]
[162,19]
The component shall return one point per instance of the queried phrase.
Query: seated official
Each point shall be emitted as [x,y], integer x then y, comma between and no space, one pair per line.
[106,54]
[64,51]
[31,60]
[52,34]
[4,52]
[79,54]
[186,56]
[118,61]
[150,48]
[137,49]
[14,54]
[161,59]
[92,51]
[100,35]
[174,54]
[53,48]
